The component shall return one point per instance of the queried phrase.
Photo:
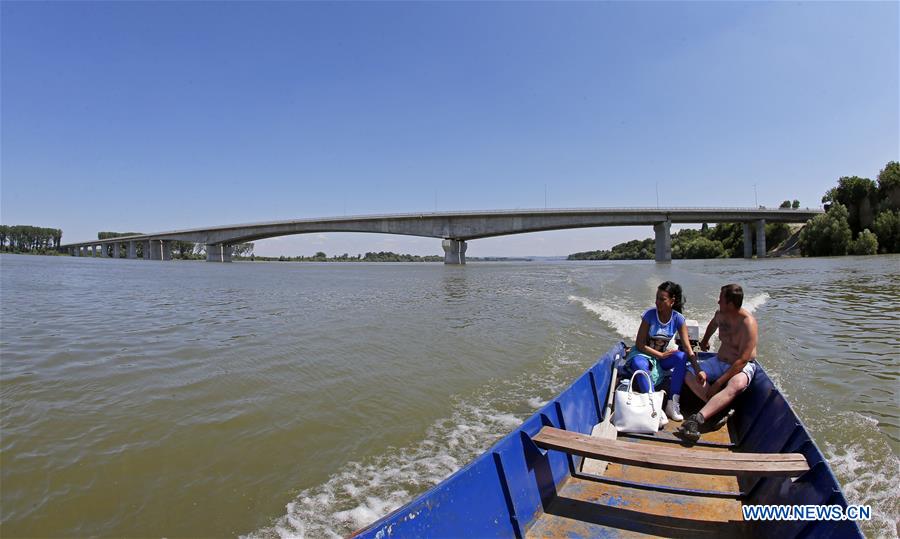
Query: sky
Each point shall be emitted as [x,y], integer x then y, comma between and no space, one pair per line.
[153,116]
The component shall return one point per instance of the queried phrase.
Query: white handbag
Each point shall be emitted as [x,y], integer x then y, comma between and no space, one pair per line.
[640,413]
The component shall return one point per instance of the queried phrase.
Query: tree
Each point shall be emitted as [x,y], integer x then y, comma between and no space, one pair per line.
[704,248]
[795,204]
[20,238]
[865,244]
[242,249]
[785,204]
[887,230]
[110,235]
[827,234]
[859,196]
[183,248]
[889,186]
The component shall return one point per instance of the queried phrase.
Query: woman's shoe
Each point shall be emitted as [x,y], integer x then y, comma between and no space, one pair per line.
[673,408]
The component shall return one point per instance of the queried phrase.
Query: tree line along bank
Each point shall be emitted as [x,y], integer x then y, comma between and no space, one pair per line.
[862,218]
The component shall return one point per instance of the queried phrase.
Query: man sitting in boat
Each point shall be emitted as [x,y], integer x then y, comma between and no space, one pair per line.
[658,326]
[728,374]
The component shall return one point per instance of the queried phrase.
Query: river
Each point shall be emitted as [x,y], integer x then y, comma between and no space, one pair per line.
[308,399]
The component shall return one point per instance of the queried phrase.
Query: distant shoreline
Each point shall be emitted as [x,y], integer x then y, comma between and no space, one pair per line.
[400,258]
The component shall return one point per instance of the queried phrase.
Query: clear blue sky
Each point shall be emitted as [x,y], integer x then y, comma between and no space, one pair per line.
[151,116]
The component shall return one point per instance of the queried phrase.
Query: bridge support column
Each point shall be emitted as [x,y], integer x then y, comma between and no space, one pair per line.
[148,249]
[454,251]
[218,252]
[155,250]
[102,248]
[761,238]
[132,250]
[166,250]
[748,241]
[72,251]
[663,241]
[117,248]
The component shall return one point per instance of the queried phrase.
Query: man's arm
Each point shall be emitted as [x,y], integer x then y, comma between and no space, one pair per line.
[748,345]
[711,328]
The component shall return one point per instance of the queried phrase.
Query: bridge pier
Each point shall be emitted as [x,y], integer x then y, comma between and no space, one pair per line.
[132,250]
[117,247]
[155,252]
[454,251]
[218,252]
[102,248]
[663,241]
[748,240]
[761,238]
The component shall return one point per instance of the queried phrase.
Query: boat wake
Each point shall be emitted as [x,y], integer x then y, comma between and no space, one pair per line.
[626,321]
[753,303]
[365,491]
[868,473]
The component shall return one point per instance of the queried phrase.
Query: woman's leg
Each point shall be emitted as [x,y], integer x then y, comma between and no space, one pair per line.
[640,362]
[676,362]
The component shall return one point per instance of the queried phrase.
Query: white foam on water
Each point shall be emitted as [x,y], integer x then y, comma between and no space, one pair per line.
[536,403]
[869,472]
[625,323]
[753,303]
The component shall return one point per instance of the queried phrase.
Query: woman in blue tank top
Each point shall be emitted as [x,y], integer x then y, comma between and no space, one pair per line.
[649,354]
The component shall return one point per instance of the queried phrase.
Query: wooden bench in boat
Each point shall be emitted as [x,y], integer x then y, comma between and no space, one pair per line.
[671,458]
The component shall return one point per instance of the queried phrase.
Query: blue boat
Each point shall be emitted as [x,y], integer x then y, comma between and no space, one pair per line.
[551,478]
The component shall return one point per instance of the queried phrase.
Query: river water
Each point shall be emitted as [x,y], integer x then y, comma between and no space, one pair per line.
[301,399]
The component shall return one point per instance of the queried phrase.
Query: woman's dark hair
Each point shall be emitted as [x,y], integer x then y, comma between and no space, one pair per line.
[674,292]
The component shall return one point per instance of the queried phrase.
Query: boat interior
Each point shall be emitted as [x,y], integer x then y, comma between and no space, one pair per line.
[625,500]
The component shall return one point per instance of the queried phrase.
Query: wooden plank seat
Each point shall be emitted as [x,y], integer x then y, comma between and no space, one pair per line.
[672,458]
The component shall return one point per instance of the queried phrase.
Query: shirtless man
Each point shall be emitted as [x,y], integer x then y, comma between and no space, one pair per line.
[724,377]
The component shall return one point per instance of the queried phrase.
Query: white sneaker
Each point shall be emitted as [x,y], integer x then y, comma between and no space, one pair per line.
[673,408]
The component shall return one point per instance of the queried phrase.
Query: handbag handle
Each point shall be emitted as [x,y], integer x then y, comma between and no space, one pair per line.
[637,372]
[649,382]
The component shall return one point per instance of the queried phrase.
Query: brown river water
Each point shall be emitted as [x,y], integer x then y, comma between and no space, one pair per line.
[151,399]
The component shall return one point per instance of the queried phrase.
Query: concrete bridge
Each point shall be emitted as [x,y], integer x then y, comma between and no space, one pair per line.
[454,228]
